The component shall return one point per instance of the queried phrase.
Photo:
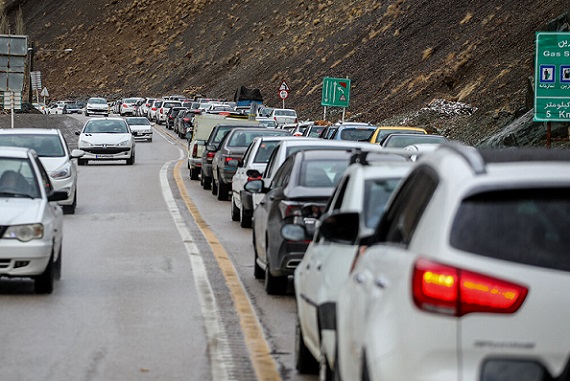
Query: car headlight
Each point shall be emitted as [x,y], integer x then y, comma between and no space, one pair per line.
[124,143]
[84,143]
[62,172]
[25,233]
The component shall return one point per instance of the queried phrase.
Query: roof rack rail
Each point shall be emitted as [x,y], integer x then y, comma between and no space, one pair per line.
[471,155]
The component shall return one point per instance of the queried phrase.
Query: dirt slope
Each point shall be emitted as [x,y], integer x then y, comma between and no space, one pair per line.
[400,54]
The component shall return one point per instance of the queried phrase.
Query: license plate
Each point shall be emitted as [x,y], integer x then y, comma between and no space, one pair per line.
[103,156]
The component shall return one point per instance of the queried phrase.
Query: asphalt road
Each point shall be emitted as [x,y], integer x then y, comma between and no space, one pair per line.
[157,283]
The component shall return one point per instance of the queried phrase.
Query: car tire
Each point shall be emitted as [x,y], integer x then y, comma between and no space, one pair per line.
[206,182]
[70,209]
[43,283]
[305,362]
[194,172]
[223,190]
[86,113]
[81,161]
[131,160]
[258,272]
[106,115]
[58,265]
[275,285]
[214,187]
[235,211]
[150,140]
[244,221]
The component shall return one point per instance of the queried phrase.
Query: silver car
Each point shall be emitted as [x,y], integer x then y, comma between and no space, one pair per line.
[55,156]
[97,106]
[106,139]
[31,223]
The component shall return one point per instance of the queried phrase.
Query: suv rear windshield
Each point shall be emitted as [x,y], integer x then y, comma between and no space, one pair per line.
[528,226]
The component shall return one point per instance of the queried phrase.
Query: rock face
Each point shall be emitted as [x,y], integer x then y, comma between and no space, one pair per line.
[400,54]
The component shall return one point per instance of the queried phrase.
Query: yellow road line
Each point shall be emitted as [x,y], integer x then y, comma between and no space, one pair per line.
[260,353]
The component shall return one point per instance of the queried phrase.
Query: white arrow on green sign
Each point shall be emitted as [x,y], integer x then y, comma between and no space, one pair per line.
[336,92]
[552,77]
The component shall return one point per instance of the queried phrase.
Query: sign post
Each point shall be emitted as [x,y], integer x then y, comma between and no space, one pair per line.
[552,79]
[336,93]
[36,77]
[284,91]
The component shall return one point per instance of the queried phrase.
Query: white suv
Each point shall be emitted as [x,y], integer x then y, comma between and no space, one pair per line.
[361,195]
[467,274]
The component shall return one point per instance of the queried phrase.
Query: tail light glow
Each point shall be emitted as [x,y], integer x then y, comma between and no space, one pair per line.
[448,290]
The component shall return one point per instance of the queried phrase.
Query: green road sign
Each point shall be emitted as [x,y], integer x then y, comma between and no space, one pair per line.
[336,92]
[552,77]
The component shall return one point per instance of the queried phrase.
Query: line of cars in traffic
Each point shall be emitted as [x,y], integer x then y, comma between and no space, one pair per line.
[413,258]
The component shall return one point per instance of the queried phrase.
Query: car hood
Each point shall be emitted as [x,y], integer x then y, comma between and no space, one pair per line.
[53,163]
[103,138]
[20,210]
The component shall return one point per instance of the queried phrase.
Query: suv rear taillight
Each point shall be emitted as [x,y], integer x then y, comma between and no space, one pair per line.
[448,290]
[195,150]
[210,155]
[125,105]
[289,209]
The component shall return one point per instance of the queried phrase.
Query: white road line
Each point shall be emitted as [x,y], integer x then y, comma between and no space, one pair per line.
[221,362]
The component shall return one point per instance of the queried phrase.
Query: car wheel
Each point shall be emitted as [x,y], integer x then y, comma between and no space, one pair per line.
[275,285]
[43,284]
[207,182]
[305,362]
[70,209]
[223,191]
[131,160]
[194,172]
[258,272]
[244,220]
[106,115]
[235,211]
[57,265]
[81,161]
[86,113]
[214,187]
[150,140]
[325,371]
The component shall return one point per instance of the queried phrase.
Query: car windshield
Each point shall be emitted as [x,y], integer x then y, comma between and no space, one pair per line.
[528,226]
[171,104]
[356,134]
[244,138]
[131,100]
[322,173]
[17,179]
[98,101]
[285,113]
[138,121]
[45,145]
[106,126]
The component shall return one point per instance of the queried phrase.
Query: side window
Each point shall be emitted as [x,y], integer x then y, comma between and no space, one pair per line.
[283,174]
[247,153]
[335,202]
[401,218]
[271,163]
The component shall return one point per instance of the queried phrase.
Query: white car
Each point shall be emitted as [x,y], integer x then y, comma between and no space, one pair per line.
[141,127]
[363,191]
[284,116]
[252,166]
[153,109]
[31,222]
[164,108]
[466,275]
[106,139]
[96,106]
[55,156]
[127,106]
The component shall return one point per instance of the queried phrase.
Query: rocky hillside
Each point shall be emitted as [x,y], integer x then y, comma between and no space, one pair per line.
[401,55]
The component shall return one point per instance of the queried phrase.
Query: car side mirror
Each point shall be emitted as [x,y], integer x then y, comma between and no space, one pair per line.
[77,153]
[234,163]
[211,147]
[253,173]
[341,227]
[294,232]
[77,133]
[255,186]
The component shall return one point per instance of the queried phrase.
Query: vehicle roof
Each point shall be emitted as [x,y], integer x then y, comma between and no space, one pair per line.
[409,128]
[30,131]
[15,152]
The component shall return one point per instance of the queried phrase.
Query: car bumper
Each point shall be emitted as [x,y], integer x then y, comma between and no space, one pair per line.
[289,256]
[97,111]
[24,258]
[96,153]
[142,135]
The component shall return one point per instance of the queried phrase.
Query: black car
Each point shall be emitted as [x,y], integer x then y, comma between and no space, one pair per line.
[170,115]
[211,146]
[229,154]
[305,179]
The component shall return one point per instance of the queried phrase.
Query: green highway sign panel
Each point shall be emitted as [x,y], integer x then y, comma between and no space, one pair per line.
[336,92]
[552,77]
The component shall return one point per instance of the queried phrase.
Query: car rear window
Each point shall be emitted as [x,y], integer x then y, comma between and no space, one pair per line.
[356,134]
[264,151]
[528,226]
[322,173]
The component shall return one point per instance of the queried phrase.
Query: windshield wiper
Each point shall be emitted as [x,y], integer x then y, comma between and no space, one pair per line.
[16,194]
